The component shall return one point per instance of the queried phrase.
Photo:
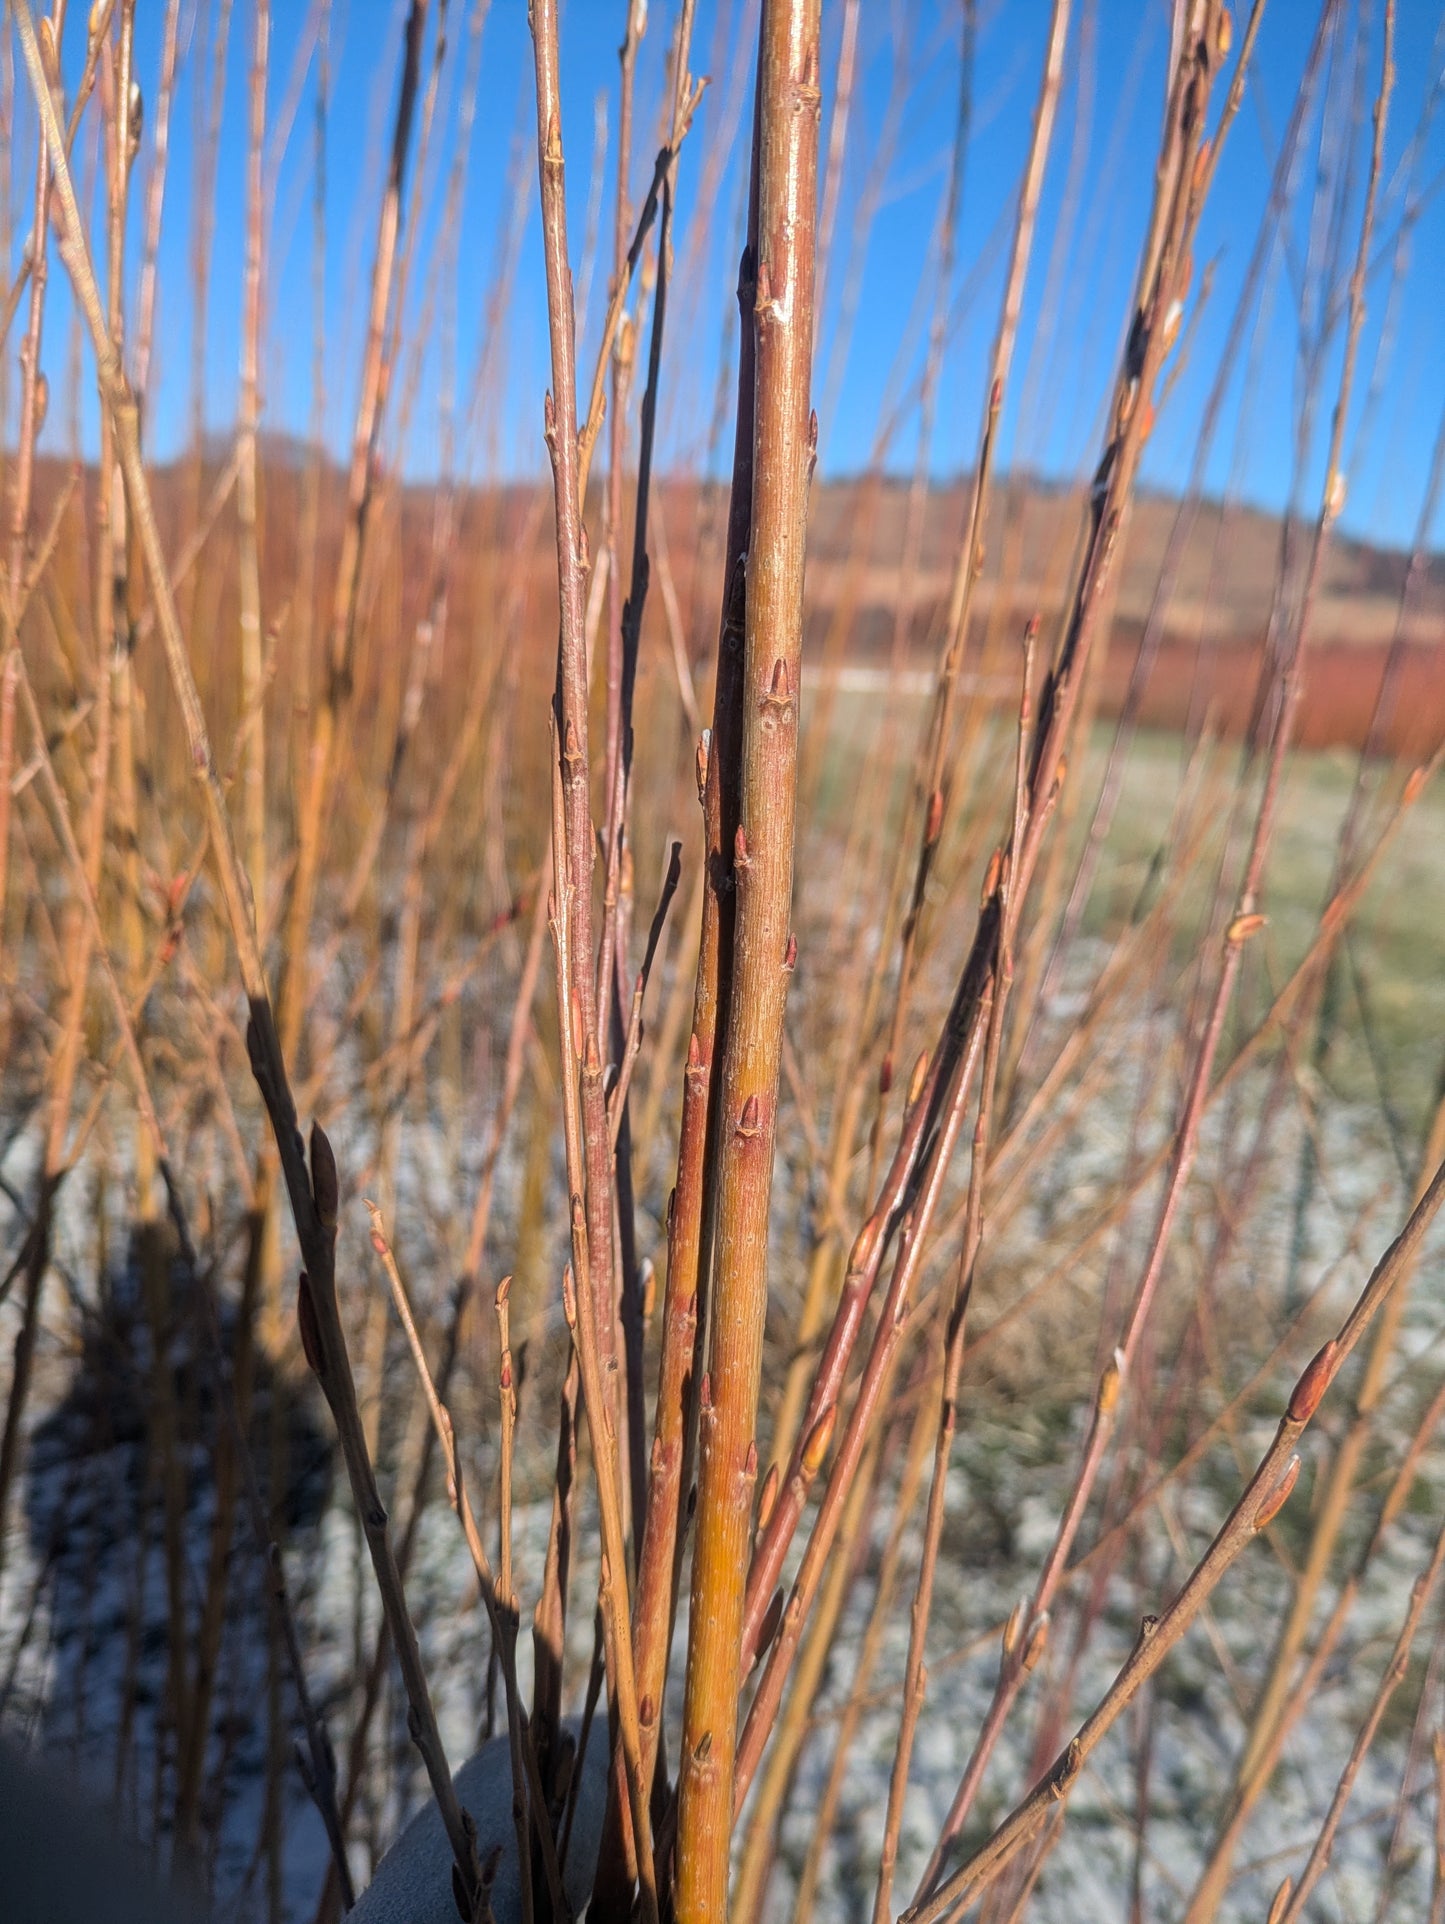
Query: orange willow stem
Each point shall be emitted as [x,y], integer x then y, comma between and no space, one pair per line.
[783,445]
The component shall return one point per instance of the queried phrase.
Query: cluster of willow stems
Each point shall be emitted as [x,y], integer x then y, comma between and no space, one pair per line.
[745,1486]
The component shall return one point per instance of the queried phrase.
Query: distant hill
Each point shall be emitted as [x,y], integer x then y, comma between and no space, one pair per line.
[867,604]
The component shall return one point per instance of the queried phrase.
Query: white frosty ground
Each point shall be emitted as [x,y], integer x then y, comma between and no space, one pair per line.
[65,1625]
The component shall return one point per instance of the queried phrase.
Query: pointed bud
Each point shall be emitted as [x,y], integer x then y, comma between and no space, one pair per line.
[1014,1626]
[704,747]
[819,1437]
[1067,1768]
[916,1080]
[1271,1505]
[1109,1385]
[885,1075]
[790,954]
[325,1188]
[1037,1642]
[865,1244]
[750,1121]
[1315,1380]
[768,1628]
[504,1292]
[1281,1900]
[1242,928]
[768,1500]
[569,1296]
[933,825]
[741,858]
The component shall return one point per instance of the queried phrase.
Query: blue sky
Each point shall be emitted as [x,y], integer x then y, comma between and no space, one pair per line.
[882,274]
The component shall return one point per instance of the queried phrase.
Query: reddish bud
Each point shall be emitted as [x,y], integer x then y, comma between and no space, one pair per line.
[1315,1380]
[933,825]
[790,954]
[885,1075]
[750,1121]
[1271,1505]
